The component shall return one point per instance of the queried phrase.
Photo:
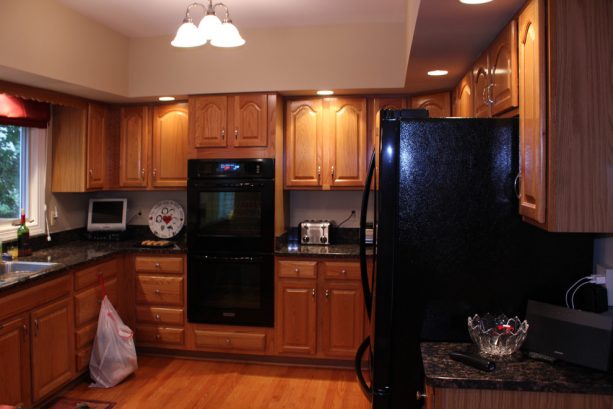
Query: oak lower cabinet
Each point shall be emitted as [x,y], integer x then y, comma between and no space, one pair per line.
[160,301]
[326,143]
[87,300]
[319,308]
[240,125]
[566,134]
[153,146]
[36,342]
[79,157]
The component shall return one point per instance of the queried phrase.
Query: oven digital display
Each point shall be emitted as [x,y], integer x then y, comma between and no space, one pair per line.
[228,167]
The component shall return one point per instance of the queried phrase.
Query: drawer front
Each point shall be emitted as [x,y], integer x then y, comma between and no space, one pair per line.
[172,265]
[151,289]
[83,356]
[89,276]
[26,299]
[85,335]
[244,341]
[87,302]
[297,269]
[340,269]
[159,335]
[159,315]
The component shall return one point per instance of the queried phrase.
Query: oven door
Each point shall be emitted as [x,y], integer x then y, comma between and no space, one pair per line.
[231,290]
[230,215]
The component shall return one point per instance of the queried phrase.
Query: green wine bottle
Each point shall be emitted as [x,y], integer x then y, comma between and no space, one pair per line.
[23,237]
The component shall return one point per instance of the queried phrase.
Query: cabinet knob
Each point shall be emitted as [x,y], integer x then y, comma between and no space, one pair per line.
[155,172]
[318,172]
[236,133]
[142,172]
[157,265]
[157,317]
[344,272]
[91,172]
[327,293]
[227,340]
[223,133]
[158,336]
[157,291]
[313,292]
[296,270]
[332,172]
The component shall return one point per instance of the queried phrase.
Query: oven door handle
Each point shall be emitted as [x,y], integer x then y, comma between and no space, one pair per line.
[231,259]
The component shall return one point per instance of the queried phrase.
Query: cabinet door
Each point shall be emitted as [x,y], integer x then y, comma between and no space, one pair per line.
[463,106]
[169,149]
[96,147]
[15,358]
[87,302]
[303,150]
[342,318]
[481,78]
[249,116]
[346,136]
[296,312]
[134,146]
[503,71]
[438,105]
[52,347]
[532,115]
[207,121]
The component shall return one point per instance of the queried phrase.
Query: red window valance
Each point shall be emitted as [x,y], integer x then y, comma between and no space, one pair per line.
[23,112]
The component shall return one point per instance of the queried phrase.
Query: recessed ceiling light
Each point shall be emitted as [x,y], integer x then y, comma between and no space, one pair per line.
[438,73]
[474,1]
[325,92]
[166,98]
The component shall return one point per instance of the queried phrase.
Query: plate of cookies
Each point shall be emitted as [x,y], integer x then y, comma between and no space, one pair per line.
[156,243]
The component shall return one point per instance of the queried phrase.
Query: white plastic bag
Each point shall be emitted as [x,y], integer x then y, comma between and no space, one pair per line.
[113,356]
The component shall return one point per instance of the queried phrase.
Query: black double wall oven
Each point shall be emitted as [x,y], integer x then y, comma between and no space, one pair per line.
[230,239]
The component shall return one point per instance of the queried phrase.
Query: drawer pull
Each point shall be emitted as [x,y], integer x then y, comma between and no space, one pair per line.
[296,270]
[343,272]
[228,342]
[157,317]
[157,291]
[158,336]
[157,265]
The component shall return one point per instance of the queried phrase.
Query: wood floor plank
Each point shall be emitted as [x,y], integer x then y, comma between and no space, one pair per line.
[162,383]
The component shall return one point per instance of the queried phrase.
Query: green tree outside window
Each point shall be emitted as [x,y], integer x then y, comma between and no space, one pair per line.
[10,165]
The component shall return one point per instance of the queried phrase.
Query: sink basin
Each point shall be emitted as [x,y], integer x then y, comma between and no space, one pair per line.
[21,268]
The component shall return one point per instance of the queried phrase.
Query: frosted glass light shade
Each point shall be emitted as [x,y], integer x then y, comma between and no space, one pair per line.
[209,26]
[227,36]
[188,36]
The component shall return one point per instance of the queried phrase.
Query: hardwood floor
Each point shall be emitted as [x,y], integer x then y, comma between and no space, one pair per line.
[190,384]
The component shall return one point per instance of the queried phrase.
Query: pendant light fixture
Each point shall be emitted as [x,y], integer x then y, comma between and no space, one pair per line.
[211,28]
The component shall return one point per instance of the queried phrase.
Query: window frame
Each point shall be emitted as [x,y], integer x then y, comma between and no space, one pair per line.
[36,163]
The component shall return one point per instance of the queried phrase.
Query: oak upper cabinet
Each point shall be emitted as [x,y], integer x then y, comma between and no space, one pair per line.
[79,151]
[495,75]
[15,358]
[134,146]
[169,148]
[326,143]
[463,99]
[438,105]
[232,125]
[566,131]
[153,146]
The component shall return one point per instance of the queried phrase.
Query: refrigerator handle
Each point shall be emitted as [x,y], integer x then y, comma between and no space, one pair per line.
[363,210]
[358,368]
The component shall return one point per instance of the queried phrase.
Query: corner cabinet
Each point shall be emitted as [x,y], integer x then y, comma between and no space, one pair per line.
[239,125]
[326,143]
[566,131]
[79,151]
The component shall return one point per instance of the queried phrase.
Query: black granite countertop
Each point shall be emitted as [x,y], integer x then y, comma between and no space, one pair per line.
[332,251]
[521,373]
[76,253]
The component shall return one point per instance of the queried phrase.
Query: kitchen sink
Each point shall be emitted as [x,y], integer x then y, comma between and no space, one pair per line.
[14,269]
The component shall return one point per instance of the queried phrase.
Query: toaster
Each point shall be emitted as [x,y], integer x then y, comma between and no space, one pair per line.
[316,232]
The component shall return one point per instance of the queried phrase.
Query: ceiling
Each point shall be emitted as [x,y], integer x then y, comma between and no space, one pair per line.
[448,34]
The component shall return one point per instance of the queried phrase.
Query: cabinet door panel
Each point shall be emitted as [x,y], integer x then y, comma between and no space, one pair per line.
[161,290]
[532,132]
[438,105]
[296,323]
[347,143]
[303,160]
[52,347]
[503,63]
[169,150]
[134,145]
[208,121]
[463,106]
[87,302]
[15,358]
[249,116]
[343,318]
[481,77]
[96,147]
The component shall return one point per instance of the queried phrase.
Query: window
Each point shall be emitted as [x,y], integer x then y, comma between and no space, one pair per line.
[22,178]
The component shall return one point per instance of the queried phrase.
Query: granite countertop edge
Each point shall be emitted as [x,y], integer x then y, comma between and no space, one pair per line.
[520,374]
[329,251]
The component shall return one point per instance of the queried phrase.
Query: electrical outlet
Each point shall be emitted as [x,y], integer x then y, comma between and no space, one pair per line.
[607,273]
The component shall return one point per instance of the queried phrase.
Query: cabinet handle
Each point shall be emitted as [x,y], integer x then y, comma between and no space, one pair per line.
[155,172]
[91,172]
[35,328]
[296,270]
[490,100]
[236,133]
[343,272]
[142,172]
[313,292]
[228,341]
[327,293]
[332,172]
[516,183]
[25,330]
[157,317]
[223,133]
[318,172]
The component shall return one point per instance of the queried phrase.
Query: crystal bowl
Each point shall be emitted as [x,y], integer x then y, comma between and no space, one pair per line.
[499,336]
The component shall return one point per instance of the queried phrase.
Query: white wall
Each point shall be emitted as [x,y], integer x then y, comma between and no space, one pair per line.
[603,251]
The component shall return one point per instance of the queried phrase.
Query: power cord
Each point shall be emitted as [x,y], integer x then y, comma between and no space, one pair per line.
[591,279]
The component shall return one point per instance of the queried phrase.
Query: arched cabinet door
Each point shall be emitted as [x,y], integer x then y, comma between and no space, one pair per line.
[208,121]
[438,105]
[169,148]
[503,71]
[248,118]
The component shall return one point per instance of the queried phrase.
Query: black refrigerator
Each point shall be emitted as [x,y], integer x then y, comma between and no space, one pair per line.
[449,243]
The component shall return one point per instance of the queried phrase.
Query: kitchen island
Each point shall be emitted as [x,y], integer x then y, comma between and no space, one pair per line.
[519,383]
